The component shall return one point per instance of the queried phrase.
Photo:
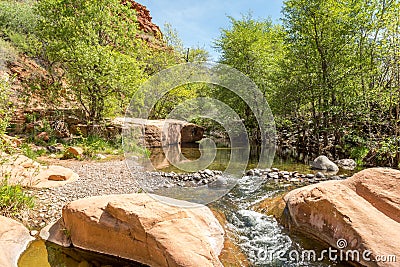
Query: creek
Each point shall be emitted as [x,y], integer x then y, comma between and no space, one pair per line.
[261,238]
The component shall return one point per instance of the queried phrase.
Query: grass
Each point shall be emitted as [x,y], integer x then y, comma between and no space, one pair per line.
[93,145]
[27,150]
[13,199]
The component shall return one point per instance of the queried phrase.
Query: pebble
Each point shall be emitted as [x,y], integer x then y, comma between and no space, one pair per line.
[250,173]
[197,177]
[34,232]
[100,156]
[208,172]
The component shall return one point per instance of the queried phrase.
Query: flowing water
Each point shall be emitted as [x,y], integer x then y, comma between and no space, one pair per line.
[262,239]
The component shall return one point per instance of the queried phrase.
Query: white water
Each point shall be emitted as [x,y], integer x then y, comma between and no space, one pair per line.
[263,240]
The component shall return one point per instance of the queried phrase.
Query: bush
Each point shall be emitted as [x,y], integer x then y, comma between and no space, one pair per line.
[17,24]
[358,154]
[5,105]
[13,199]
[7,53]
[94,144]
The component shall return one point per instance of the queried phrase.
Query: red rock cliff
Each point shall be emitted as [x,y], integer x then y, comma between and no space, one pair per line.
[144,19]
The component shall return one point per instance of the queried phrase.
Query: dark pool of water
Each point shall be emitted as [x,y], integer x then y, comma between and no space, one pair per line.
[46,254]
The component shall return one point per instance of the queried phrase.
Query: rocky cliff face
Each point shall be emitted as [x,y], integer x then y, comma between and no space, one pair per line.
[144,19]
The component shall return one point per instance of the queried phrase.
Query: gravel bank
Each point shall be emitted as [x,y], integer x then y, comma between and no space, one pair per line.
[113,177]
[96,178]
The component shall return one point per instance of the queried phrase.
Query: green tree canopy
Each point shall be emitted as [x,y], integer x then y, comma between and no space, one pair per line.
[96,44]
[254,47]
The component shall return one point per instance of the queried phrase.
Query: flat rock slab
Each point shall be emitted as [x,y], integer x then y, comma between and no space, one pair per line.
[21,170]
[158,133]
[141,228]
[54,176]
[14,239]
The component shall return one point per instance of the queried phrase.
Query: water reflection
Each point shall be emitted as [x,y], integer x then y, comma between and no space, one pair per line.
[191,152]
[161,159]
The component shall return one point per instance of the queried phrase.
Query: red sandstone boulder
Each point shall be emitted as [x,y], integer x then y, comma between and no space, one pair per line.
[44,136]
[75,151]
[142,229]
[363,210]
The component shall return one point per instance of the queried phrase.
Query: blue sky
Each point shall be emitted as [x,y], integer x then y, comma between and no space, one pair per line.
[199,22]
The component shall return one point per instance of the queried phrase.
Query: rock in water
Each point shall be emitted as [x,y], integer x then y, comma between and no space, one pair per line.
[363,210]
[14,239]
[142,229]
[323,163]
[219,182]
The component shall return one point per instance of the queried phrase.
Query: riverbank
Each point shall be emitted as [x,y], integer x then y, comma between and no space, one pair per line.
[114,177]
[105,177]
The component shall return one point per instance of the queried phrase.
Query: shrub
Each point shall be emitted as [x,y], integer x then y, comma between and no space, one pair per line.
[5,105]
[17,24]
[94,144]
[27,150]
[7,53]
[13,199]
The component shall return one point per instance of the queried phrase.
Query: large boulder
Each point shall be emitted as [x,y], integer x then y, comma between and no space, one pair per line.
[141,228]
[361,213]
[160,133]
[14,239]
[323,163]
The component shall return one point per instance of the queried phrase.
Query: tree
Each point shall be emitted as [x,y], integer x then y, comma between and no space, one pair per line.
[174,53]
[95,43]
[17,25]
[254,47]
[339,72]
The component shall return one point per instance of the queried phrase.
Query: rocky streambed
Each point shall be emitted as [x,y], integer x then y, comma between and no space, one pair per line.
[252,228]
[114,177]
